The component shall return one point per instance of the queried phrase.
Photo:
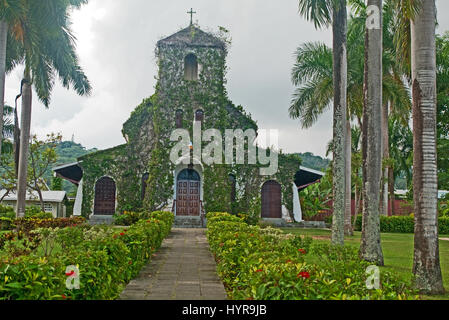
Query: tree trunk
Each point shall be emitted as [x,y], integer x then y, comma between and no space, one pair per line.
[385,155]
[25,125]
[391,181]
[41,199]
[339,25]
[370,249]
[3,42]
[426,264]
[348,185]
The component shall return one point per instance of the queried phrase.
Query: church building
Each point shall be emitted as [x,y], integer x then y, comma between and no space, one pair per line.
[139,175]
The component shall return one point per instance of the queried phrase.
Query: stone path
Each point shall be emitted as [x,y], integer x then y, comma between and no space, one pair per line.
[183,269]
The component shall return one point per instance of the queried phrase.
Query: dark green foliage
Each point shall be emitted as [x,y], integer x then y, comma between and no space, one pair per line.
[107,258]
[266,264]
[442,43]
[309,160]
[404,224]
[56,184]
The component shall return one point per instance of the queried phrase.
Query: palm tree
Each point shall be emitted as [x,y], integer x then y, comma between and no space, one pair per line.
[426,264]
[370,248]
[312,74]
[323,13]
[10,11]
[47,49]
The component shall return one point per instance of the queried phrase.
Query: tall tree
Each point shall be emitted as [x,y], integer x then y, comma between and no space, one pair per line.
[10,13]
[370,248]
[324,13]
[313,76]
[426,263]
[48,49]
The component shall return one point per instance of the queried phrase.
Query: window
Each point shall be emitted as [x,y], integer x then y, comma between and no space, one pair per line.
[233,183]
[179,114]
[191,67]
[48,207]
[199,115]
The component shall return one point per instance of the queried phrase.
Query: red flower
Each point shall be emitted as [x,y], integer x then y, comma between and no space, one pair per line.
[302,251]
[122,234]
[64,296]
[259,270]
[130,262]
[71,273]
[126,230]
[288,261]
[115,236]
[304,275]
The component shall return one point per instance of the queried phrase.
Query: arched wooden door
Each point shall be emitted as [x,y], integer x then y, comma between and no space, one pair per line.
[188,193]
[271,200]
[105,197]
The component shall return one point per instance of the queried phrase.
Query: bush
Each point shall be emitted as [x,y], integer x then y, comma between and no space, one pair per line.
[130,218]
[127,218]
[403,224]
[107,259]
[6,224]
[266,264]
[27,225]
[7,212]
[36,212]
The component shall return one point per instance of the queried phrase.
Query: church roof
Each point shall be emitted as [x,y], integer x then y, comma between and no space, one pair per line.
[192,36]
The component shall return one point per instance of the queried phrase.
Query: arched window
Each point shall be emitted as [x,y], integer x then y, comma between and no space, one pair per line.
[105,197]
[179,115]
[144,185]
[232,182]
[191,67]
[199,115]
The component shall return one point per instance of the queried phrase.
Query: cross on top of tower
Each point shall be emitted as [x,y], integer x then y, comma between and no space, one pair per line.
[191,12]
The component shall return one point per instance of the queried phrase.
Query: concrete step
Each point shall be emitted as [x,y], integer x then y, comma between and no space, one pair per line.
[99,220]
[188,222]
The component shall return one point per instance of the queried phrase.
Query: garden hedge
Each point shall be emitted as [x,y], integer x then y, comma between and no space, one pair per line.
[107,258]
[403,224]
[267,264]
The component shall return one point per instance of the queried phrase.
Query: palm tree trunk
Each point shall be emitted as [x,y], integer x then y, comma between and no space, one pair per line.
[391,181]
[385,155]
[348,184]
[340,74]
[25,125]
[370,249]
[3,42]
[426,264]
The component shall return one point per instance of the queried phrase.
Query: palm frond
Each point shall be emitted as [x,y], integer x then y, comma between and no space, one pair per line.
[313,62]
[317,11]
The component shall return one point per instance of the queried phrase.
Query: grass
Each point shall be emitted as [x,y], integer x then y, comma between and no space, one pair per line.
[397,249]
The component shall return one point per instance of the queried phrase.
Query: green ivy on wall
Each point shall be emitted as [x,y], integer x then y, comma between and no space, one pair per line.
[148,131]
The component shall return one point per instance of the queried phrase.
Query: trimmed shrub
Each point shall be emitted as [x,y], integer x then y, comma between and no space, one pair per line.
[107,259]
[267,264]
[403,224]
[7,212]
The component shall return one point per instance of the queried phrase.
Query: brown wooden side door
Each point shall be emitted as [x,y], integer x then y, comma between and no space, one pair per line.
[271,200]
[105,197]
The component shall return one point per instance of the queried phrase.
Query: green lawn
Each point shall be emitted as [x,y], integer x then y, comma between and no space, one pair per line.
[397,250]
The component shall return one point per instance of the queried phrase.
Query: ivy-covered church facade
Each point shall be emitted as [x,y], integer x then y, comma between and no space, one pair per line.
[139,175]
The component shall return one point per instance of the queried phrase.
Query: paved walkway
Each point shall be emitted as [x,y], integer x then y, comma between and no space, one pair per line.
[183,269]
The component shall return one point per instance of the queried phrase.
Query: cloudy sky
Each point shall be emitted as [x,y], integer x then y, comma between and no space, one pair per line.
[116,42]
